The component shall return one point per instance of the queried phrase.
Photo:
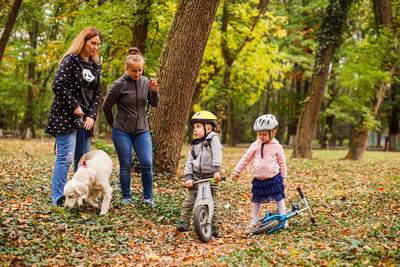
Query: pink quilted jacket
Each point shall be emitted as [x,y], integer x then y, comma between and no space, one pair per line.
[272,162]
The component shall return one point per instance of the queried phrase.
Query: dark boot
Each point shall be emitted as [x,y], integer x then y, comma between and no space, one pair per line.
[214,231]
[182,227]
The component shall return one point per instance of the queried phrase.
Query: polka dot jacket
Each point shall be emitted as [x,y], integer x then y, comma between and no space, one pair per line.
[67,85]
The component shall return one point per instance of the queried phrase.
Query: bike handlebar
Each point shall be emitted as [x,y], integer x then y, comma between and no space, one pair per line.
[223,178]
[300,192]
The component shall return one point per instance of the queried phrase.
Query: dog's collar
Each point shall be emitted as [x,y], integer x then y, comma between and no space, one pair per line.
[84,164]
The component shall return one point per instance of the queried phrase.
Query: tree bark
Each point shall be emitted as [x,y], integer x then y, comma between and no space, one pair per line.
[27,126]
[140,28]
[312,105]
[360,138]
[328,40]
[394,117]
[178,70]
[327,130]
[9,26]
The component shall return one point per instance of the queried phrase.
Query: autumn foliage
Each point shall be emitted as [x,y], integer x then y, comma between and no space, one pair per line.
[356,205]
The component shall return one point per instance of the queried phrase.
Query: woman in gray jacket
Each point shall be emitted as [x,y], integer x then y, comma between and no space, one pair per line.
[130,128]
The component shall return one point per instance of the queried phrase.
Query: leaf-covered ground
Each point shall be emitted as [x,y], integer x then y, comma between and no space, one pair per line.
[356,205]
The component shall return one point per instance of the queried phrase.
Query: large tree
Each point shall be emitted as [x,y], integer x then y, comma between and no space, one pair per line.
[387,35]
[9,26]
[329,38]
[140,28]
[394,116]
[178,70]
[230,55]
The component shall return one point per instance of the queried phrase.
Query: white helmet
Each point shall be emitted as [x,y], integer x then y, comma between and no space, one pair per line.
[265,122]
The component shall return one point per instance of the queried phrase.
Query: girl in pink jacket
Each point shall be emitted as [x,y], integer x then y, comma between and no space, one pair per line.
[269,167]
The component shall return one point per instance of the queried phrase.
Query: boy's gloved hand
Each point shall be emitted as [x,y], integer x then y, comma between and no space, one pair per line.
[189,183]
[235,177]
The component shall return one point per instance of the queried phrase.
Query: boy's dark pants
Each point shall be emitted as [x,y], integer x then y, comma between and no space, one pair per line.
[187,207]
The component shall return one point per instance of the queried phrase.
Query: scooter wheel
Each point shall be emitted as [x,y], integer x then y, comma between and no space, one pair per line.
[264,228]
[201,225]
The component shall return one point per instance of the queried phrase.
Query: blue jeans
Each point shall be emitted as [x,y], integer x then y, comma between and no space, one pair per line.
[143,147]
[69,146]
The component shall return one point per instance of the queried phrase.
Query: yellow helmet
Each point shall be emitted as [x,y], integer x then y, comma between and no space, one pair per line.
[204,117]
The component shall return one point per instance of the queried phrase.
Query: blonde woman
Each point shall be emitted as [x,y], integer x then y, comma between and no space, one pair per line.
[77,93]
[130,128]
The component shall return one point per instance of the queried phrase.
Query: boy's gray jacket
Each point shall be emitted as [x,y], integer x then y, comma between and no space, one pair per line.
[204,157]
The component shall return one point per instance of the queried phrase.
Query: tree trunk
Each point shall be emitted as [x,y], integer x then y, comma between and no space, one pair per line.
[2,116]
[139,29]
[394,117]
[178,70]
[27,126]
[9,26]
[268,93]
[230,56]
[327,132]
[97,130]
[312,105]
[328,127]
[359,140]
[328,40]
[393,140]
[230,130]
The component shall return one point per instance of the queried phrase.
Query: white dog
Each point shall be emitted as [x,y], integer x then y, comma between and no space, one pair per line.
[90,181]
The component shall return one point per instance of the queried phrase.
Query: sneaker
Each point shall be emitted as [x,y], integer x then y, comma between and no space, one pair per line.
[60,201]
[286,225]
[181,227]
[126,201]
[149,202]
[214,231]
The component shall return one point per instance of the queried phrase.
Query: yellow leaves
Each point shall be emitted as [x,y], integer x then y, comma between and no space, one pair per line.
[312,256]
[152,257]
[245,196]
[8,220]
[84,216]
[279,32]
[319,245]
[22,221]
[143,246]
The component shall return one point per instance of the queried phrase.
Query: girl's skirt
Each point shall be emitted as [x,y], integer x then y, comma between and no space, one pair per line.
[268,190]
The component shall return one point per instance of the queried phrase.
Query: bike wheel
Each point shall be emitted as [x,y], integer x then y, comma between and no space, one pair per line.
[265,227]
[201,226]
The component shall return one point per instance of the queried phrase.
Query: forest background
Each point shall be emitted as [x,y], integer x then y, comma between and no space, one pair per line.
[327,69]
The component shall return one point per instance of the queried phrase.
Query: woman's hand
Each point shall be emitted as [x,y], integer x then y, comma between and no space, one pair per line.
[78,112]
[153,84]
[88,123]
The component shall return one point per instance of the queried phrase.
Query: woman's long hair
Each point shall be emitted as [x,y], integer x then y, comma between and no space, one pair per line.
[79,42]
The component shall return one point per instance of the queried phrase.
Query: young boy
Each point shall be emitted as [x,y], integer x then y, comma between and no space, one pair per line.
[204,161]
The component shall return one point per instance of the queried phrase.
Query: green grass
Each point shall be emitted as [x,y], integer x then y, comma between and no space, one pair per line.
[356,204]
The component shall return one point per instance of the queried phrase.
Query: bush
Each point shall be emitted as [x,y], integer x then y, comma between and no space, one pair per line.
[103,145]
